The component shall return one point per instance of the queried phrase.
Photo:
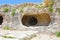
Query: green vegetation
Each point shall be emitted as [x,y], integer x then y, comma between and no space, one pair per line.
[21,10]
[50,9]
[51,3]
[58,34]
[8,37]
[5,9]
[7,28]
[58,9]
[13,12]
[25,4]
[39,6]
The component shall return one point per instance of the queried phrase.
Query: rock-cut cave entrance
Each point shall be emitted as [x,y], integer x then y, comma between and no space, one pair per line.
[1,19]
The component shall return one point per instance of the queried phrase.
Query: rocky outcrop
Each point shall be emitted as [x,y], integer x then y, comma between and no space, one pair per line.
[14,17]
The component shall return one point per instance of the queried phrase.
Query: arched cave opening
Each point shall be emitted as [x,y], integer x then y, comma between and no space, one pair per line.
[29,20]
[32,21]
[1,20]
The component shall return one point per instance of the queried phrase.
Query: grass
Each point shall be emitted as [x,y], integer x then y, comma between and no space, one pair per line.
[39,6]
[58,34]
[21,10]
[58,9]
[8,36]
[13,12]
[7,28]
[5,10]
[50,9]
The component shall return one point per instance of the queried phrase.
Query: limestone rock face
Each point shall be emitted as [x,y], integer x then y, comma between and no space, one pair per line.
[35,16]
[29,17]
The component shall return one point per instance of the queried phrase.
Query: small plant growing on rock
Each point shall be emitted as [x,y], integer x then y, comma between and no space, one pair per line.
[39,6]
[50,9]
[21,10]
[58,9]
[5,10]
[8,36]
[7,28]
[58,34]
[13,12]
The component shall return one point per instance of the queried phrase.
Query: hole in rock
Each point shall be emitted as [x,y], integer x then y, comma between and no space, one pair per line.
[1,20]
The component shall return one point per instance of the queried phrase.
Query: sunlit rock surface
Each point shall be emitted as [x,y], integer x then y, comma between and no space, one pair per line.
[17,35]
[47,21]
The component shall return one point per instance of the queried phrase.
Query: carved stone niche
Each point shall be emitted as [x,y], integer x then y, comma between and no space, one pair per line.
[38,19]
